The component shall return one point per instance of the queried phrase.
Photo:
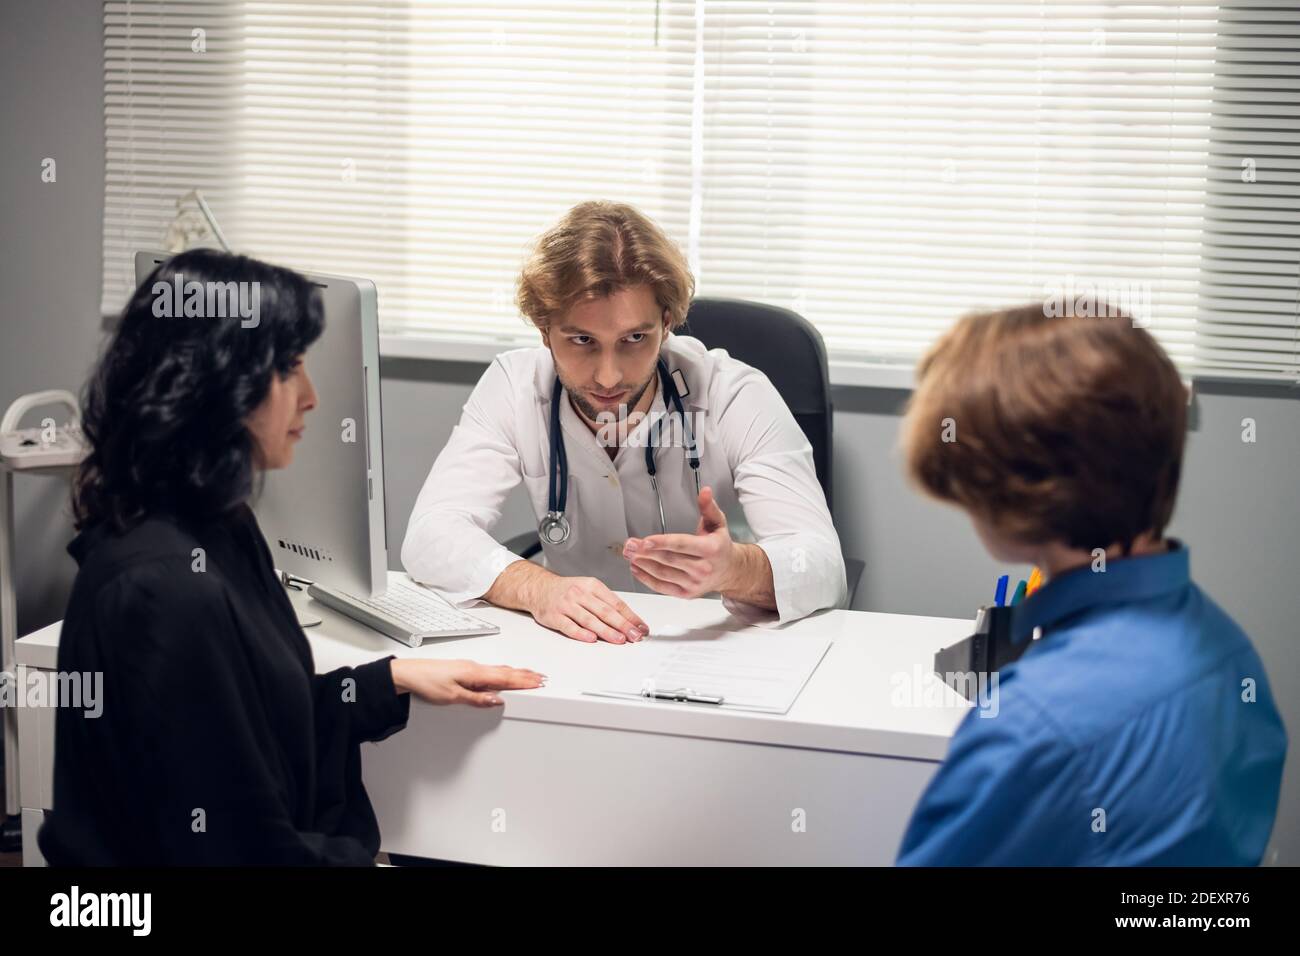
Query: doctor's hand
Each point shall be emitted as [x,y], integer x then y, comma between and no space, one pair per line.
[460,682]
[586,610]
[687,565]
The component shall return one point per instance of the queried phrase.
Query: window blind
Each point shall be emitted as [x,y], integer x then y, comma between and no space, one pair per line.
[880,168]
[1247,325]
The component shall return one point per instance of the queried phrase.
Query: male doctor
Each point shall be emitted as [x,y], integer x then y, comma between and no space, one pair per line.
[630,494]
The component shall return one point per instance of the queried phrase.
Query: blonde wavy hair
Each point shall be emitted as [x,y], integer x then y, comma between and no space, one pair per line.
[597,249]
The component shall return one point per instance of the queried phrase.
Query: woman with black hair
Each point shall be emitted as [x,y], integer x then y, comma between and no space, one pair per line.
[217,743]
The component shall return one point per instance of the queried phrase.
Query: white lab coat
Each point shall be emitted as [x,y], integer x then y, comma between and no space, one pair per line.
[753,454]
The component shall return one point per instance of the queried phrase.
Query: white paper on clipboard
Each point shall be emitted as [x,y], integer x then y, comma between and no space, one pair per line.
[752,672]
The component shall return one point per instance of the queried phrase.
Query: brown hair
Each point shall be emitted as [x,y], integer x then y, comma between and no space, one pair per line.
[597,249]
[1058,428]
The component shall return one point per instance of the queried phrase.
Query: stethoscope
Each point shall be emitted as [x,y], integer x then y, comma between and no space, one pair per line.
[554,526]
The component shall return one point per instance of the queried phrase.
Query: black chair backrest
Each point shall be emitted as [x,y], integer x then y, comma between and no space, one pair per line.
[785,347]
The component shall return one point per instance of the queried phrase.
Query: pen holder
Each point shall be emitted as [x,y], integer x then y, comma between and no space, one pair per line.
[970,664]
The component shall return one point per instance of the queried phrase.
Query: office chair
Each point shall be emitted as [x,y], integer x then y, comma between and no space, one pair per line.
[788,349]
[785,347]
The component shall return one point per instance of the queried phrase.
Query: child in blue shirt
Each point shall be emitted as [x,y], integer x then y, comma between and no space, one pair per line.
[1139,728]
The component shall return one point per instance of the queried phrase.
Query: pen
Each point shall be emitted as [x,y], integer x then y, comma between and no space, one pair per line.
[1000,595]
[684,694]
[1035,582]
[1020,593]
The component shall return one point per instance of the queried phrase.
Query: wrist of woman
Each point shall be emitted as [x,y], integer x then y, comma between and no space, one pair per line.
[397,667]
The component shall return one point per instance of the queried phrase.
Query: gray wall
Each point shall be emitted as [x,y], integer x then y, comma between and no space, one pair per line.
[51,105]
[1239,510]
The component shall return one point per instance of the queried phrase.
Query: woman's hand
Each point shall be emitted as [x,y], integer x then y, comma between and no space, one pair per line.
[460,682]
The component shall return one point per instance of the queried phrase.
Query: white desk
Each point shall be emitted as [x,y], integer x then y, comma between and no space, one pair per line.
[558,777]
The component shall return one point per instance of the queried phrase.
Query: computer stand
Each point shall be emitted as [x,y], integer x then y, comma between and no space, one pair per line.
[292,583]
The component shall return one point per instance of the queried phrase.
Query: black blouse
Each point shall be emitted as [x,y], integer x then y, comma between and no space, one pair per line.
[217,743]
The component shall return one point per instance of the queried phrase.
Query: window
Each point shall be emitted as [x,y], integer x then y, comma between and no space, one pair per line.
[880,168]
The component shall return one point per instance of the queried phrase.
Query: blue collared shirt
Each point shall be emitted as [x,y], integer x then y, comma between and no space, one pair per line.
[1138,730]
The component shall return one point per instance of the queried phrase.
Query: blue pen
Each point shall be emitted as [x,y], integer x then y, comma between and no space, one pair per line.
[1000,595]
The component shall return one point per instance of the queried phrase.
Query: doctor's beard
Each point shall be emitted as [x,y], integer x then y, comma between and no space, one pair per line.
[592,413]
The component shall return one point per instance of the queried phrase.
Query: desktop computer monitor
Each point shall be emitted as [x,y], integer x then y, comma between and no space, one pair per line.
[323,516]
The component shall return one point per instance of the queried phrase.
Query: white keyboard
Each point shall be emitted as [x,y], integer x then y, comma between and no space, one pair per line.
[407,612]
